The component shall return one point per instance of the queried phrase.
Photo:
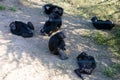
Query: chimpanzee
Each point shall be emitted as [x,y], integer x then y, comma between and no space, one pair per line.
[50,8]
[22,29]
[57,45]
[53,24]
[100,24]
[86,64]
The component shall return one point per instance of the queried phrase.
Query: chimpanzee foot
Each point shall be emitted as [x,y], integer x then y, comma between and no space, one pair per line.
[62,54]
[63,57]
[78,72]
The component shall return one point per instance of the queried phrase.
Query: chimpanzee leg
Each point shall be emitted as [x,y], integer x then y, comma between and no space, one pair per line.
[30,25]
[55,52]
[78,72]
[62,54]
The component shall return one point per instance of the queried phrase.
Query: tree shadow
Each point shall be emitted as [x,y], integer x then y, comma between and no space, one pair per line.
[34,51]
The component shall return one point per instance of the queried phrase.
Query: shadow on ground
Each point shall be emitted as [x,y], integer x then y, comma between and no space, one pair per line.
[19,53]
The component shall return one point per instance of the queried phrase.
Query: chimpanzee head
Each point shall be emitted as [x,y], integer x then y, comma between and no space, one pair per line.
[58,10]
[82,56]
[61,35]
[94,19]
[50,8]
[47,8]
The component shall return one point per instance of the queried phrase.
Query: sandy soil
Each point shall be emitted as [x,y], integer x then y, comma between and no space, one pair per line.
[29,58]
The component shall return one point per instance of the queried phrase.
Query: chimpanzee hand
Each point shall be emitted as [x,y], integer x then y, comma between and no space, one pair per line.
[88,71]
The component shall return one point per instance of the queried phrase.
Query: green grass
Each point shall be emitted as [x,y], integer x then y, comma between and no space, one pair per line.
[12,8]
[112,71]
[110,40]
[2,7]
[98,37]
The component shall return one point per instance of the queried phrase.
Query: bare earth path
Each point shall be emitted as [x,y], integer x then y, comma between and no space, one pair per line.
[29,58]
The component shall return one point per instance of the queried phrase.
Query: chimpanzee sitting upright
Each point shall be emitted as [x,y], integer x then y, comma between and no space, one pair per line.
[22,29]
[100,24]
[86,64]
[52,25]
[57,45]
[50,8]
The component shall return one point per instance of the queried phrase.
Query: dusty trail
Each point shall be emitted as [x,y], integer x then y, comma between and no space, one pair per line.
[29,58]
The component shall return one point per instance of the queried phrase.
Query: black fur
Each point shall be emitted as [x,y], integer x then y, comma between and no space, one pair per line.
[86,64]
[56,44]
[22,29]
[100,24]
[52,25]
[50,8]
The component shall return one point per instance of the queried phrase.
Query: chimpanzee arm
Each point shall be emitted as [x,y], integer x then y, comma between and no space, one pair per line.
[60,23]
[62,45]
[92,67]
[47,23]
[93,63]
[55,42]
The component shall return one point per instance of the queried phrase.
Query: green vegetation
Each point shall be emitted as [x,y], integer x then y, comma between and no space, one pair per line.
[12,8]
[112,71]
[98,37]
[108,39]
[2,7]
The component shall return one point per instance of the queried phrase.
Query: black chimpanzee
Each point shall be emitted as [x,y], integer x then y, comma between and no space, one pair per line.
[50,8]
[100,24]
[57,45]
[22,29]
[52,25]
[86,64]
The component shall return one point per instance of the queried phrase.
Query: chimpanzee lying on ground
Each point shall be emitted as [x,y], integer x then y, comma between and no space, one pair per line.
[50,8]
[100,24]
[57,45]
[52,25]
[86,64]
[22,29]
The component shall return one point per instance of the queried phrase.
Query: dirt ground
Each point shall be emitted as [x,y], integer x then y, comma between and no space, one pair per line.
[29,58]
